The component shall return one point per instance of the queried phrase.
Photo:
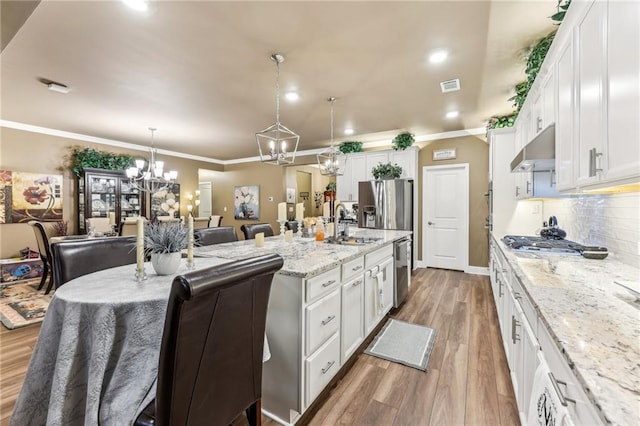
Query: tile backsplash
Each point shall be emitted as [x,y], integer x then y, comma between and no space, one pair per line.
[612,221]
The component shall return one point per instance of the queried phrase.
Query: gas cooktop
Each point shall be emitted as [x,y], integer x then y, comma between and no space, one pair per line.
[518,242]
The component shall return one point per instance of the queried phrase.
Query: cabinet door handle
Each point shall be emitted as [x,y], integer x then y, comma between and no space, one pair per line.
[514,323]
[517,295]
[517,191]
[539,124]
[528,187]
[328,320]
[430,223]
[357,268]
[554,382]
[328,283]
[329,365]
[357,283]
[593,168]
[499,288]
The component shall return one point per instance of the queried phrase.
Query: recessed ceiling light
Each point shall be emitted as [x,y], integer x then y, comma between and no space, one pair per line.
[452,114]
[438,56]
[139,5]
[348,131]
[292,96]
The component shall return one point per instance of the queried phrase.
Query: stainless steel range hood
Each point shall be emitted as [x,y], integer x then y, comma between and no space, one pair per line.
[539,155]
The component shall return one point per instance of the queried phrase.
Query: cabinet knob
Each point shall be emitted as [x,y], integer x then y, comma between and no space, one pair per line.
[430,223]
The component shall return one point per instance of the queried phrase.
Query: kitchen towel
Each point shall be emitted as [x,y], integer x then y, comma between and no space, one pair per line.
[545,408]
[379,292]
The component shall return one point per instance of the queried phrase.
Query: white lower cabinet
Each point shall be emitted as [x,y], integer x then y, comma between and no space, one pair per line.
[321,367]
[314,325]
[352,317]
[523,340]
[378,287]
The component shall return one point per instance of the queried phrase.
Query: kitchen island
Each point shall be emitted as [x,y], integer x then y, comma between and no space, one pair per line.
[586,325]
[324,302]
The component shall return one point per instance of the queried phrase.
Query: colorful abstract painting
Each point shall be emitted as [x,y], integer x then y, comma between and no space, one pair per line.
[30,196]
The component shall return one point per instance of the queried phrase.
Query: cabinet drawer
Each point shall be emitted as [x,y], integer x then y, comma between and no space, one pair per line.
[322,320]
[373,259]
[352,268]
[322,284]
[321,367]
[580,408]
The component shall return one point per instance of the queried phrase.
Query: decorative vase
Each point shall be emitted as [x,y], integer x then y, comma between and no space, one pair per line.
[165,263]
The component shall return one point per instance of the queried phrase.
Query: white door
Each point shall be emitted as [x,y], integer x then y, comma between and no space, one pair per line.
[445,216]
[206,206]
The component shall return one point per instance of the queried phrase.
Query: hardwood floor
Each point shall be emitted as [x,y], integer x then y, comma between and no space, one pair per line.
[467,382]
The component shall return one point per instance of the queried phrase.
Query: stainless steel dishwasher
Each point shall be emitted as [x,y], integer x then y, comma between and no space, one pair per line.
[402,254]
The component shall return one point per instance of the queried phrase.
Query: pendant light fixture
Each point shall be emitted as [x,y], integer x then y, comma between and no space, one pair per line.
[276,144]
[332,161]
[153,177]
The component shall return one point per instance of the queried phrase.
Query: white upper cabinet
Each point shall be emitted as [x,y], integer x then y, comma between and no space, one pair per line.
[408,160]
[374,158]
[354,172]
[564,117]
[591,68]
[549,98]
[623,101]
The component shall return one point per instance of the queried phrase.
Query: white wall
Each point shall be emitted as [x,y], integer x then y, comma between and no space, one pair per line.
[612,221]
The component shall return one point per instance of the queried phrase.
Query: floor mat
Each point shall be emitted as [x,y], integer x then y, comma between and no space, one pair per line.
[21,304]
[405,343]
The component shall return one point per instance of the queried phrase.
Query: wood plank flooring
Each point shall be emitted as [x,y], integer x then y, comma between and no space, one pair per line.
[467,382]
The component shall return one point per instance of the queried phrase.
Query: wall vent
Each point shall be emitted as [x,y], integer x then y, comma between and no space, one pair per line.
[450,85]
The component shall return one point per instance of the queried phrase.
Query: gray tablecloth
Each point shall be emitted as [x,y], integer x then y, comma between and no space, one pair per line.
[96,359]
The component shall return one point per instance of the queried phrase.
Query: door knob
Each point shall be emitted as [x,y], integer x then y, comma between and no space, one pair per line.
[430,223]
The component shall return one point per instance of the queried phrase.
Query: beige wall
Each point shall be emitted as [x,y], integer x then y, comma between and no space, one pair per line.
[475,152]
[33,152]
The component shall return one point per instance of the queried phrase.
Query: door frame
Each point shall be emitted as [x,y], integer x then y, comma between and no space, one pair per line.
[465,210]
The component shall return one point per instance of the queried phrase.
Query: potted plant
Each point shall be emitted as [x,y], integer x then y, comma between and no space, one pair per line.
[387,171]
[403,141]
[350,146]
[164,242]
[331,186]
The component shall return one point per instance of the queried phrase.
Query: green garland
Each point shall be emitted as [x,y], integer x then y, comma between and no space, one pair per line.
[89,158]
[500,121]
[386,171]
[350,146]
[403,141]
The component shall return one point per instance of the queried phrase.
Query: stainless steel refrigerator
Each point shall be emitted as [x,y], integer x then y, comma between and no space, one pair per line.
[388,204]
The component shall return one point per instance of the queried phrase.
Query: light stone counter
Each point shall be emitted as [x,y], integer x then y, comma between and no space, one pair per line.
[304,257]
[594,322]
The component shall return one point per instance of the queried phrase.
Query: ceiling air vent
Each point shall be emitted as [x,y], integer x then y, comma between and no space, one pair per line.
[450,85]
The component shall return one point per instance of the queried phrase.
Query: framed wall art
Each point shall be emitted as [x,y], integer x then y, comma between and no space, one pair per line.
[246,204]
[30,196]
[165,201]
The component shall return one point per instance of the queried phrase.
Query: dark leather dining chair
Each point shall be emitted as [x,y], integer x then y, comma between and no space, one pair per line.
[43,231]
[74,258]
[250,231]
[210,236]
[291,225]
[210,367]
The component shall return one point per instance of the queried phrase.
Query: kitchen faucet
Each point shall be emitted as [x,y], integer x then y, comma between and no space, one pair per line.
[336,221]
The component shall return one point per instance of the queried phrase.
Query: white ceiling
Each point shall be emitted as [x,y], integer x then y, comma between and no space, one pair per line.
[200,72]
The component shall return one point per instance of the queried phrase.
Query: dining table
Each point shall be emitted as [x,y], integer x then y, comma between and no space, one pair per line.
[96,358]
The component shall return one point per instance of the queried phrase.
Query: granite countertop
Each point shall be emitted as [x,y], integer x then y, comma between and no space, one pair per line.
[304,257]
[594,321]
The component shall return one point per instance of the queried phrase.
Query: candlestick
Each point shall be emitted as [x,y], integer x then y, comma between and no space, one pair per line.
[326,212]
[190,264]
[282,212]
[299,212]
[140,273]
[260,239]
[282,222]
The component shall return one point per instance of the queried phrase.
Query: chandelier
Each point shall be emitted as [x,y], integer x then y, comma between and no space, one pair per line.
[277,144]
[332,161]
[153,177]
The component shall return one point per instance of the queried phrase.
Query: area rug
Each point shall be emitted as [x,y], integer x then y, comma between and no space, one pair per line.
[21,304]
[404,343]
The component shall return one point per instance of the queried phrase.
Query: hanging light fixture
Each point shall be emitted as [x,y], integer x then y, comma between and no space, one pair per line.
[332,161]
[153,177]
[277,144]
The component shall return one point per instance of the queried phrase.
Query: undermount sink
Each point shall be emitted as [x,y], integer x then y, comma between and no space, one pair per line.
[351,241]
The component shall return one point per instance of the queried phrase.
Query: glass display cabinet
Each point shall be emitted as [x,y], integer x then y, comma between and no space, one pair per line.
[107,194]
